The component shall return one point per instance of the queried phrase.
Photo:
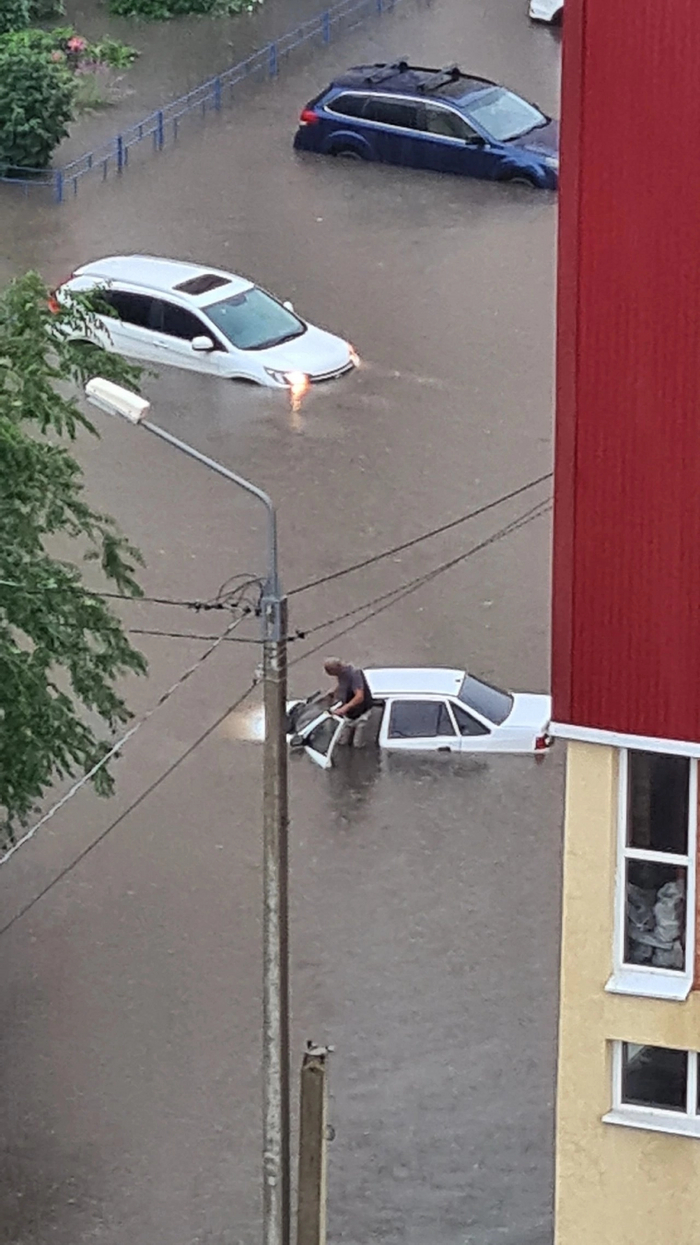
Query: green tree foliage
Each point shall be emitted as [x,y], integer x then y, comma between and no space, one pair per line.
[158,10]
[61,646]
[45,10]
[36,100]
[14,15]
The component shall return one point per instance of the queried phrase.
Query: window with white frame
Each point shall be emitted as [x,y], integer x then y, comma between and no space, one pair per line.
[655,1087]
[655,891]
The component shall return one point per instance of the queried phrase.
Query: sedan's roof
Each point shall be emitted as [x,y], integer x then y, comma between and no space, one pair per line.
[411,680]
[156,273]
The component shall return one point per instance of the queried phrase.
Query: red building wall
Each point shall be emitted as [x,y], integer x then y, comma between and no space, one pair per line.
[626,604]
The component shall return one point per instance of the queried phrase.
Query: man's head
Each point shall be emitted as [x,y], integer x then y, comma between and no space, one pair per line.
[334,667]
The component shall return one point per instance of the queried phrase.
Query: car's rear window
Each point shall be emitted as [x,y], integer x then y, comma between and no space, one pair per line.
[491,702]
[347,105]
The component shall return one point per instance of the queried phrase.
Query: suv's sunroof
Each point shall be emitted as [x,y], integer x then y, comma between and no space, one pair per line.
[202,284]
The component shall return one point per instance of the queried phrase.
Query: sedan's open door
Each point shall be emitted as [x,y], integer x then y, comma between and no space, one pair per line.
[321,740]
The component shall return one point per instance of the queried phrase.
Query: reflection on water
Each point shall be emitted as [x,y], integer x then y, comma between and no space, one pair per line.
[351,782]
[246,724]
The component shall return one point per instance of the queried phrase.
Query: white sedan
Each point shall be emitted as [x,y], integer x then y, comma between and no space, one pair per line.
[170,312]
[429,710]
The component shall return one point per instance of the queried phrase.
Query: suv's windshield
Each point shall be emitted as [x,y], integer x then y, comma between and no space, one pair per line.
[491,702]
[254,320]
[504,115]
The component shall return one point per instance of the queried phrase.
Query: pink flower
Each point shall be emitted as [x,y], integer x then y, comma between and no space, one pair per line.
[76,43]
[57,56]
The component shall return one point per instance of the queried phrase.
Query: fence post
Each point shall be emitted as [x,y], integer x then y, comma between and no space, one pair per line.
[326,21]
[160,128]
[313,1147]
[217,94]
[58,185]
[120,153]
[273,60]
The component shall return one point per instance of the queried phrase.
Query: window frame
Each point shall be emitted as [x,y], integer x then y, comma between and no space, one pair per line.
[459,706]
[204,329]
[441,701]
[347,116]
[655,1119]
[372,96]
[406,101]
[109,292]
[642,979]
[454,112]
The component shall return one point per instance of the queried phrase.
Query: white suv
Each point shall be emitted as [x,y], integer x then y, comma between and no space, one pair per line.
[170,312]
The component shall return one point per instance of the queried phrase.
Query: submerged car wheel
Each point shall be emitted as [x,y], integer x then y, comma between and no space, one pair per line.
[347,153]
[521,179]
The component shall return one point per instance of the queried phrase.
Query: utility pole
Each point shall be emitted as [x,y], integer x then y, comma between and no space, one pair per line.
[276,1088]
[275,1045]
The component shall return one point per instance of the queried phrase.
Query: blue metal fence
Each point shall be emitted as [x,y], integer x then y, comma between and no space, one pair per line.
[162,126]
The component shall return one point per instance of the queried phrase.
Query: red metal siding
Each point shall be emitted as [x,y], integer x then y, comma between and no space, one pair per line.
[626,609]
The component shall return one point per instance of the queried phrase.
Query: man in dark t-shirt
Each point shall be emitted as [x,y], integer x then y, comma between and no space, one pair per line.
[351,689]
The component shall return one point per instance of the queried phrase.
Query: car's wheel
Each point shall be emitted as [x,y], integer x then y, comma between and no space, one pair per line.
[83,345]
[521,179]
[347,153]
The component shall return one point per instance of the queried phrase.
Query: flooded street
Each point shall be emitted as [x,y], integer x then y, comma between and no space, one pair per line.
[424,891]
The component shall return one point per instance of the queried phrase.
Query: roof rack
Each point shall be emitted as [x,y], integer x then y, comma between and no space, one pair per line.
[441,77]
[435,78]
[382,71]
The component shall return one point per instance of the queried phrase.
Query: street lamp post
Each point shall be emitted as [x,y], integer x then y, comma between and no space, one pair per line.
[275,1050]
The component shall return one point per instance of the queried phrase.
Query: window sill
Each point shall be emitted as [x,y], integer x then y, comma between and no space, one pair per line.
[651,984]
[655,1121]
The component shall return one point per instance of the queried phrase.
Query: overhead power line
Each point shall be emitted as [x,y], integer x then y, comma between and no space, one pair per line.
[118,745]
[191,635]
[222,600]
[404,590]
[397,594]
[418,581]
[417,540]
[157,782]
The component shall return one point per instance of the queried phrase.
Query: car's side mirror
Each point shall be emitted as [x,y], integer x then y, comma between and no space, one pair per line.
[475,141]
[202,344]
[288,306]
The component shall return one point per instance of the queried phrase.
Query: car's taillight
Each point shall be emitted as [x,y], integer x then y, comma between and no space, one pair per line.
[54,304]
[308,117]
[542,742]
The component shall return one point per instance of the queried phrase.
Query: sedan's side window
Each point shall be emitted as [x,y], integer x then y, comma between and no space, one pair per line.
[391,112]
[466,723]
[419,719]
[178,322]
[347,105]
[445,122]
[130,308]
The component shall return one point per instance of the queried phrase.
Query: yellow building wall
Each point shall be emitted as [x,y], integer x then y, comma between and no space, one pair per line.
[613,1185]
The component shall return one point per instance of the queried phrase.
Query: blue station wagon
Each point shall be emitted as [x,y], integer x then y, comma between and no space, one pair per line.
[439,119]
